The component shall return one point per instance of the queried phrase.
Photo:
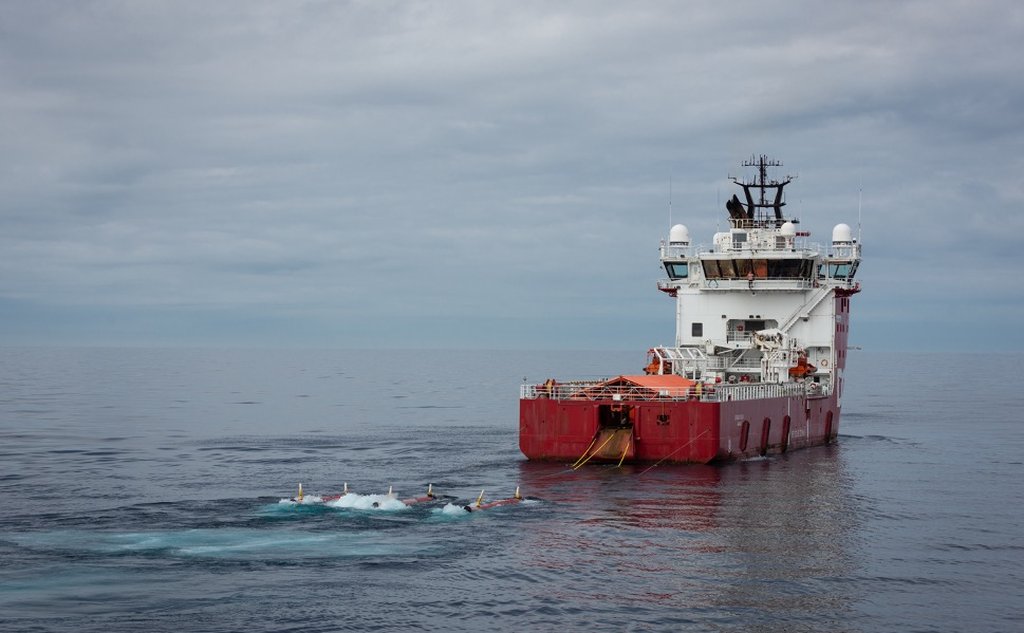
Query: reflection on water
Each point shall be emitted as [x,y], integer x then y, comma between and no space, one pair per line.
[759,542]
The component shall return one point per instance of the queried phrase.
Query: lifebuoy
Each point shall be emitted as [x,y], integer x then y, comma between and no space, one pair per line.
[824,362]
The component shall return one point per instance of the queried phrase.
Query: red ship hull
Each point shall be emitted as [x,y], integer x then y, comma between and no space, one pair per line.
[691,431]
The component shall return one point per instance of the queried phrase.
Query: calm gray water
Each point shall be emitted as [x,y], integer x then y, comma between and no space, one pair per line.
[140,492]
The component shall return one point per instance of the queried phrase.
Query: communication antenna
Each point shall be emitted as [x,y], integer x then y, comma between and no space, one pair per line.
[670,201]
[718,205]
[860,200]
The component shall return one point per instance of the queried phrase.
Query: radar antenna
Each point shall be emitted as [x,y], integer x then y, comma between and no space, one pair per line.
[755,213]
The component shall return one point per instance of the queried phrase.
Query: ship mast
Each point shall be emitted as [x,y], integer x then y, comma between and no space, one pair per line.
[755,214]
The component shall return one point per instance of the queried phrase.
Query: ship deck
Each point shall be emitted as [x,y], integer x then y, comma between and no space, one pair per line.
[624,390]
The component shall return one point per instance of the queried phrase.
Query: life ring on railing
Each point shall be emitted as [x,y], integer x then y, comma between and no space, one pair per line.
[823,362]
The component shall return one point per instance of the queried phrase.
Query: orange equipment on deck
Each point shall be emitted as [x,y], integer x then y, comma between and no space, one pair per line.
[803,368]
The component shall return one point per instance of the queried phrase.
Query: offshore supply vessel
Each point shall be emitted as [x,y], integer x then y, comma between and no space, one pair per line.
[762,321]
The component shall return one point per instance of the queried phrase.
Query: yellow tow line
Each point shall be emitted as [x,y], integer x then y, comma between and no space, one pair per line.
[579,464]
[592,442]
[624,451]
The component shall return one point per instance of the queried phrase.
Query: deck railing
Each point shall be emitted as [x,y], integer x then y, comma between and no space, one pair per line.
[593,390]
[759,283]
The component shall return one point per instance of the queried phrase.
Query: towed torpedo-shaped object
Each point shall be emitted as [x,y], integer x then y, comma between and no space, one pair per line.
[379,501]
[344,492]
[480,505]
[301,497]
[427,498]
[411,501]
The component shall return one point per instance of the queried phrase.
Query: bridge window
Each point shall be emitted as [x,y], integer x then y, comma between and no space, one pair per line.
[844,270]
[789,268]
[677,270]
[838,270]
[740,268]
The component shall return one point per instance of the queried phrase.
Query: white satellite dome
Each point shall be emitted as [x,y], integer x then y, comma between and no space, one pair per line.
[679,235]
[788,229]
[842,233]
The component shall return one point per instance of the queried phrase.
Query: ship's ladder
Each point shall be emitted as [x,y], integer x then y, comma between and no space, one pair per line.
[804,310]
[680,353]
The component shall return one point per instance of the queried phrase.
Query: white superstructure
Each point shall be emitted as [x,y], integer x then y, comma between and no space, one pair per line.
[761,304]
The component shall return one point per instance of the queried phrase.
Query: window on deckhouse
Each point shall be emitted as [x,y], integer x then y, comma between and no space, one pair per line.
[741,268]
[677,270]
[838,270]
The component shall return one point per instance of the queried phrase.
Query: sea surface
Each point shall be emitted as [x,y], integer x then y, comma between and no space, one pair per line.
[147,490]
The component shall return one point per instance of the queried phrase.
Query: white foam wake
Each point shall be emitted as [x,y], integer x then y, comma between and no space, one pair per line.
[352,501]
[453,509]
[367,502]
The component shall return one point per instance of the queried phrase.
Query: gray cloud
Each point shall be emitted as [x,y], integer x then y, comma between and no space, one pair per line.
[351,172]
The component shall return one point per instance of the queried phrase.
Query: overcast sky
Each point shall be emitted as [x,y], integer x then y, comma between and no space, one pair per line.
[492,174]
